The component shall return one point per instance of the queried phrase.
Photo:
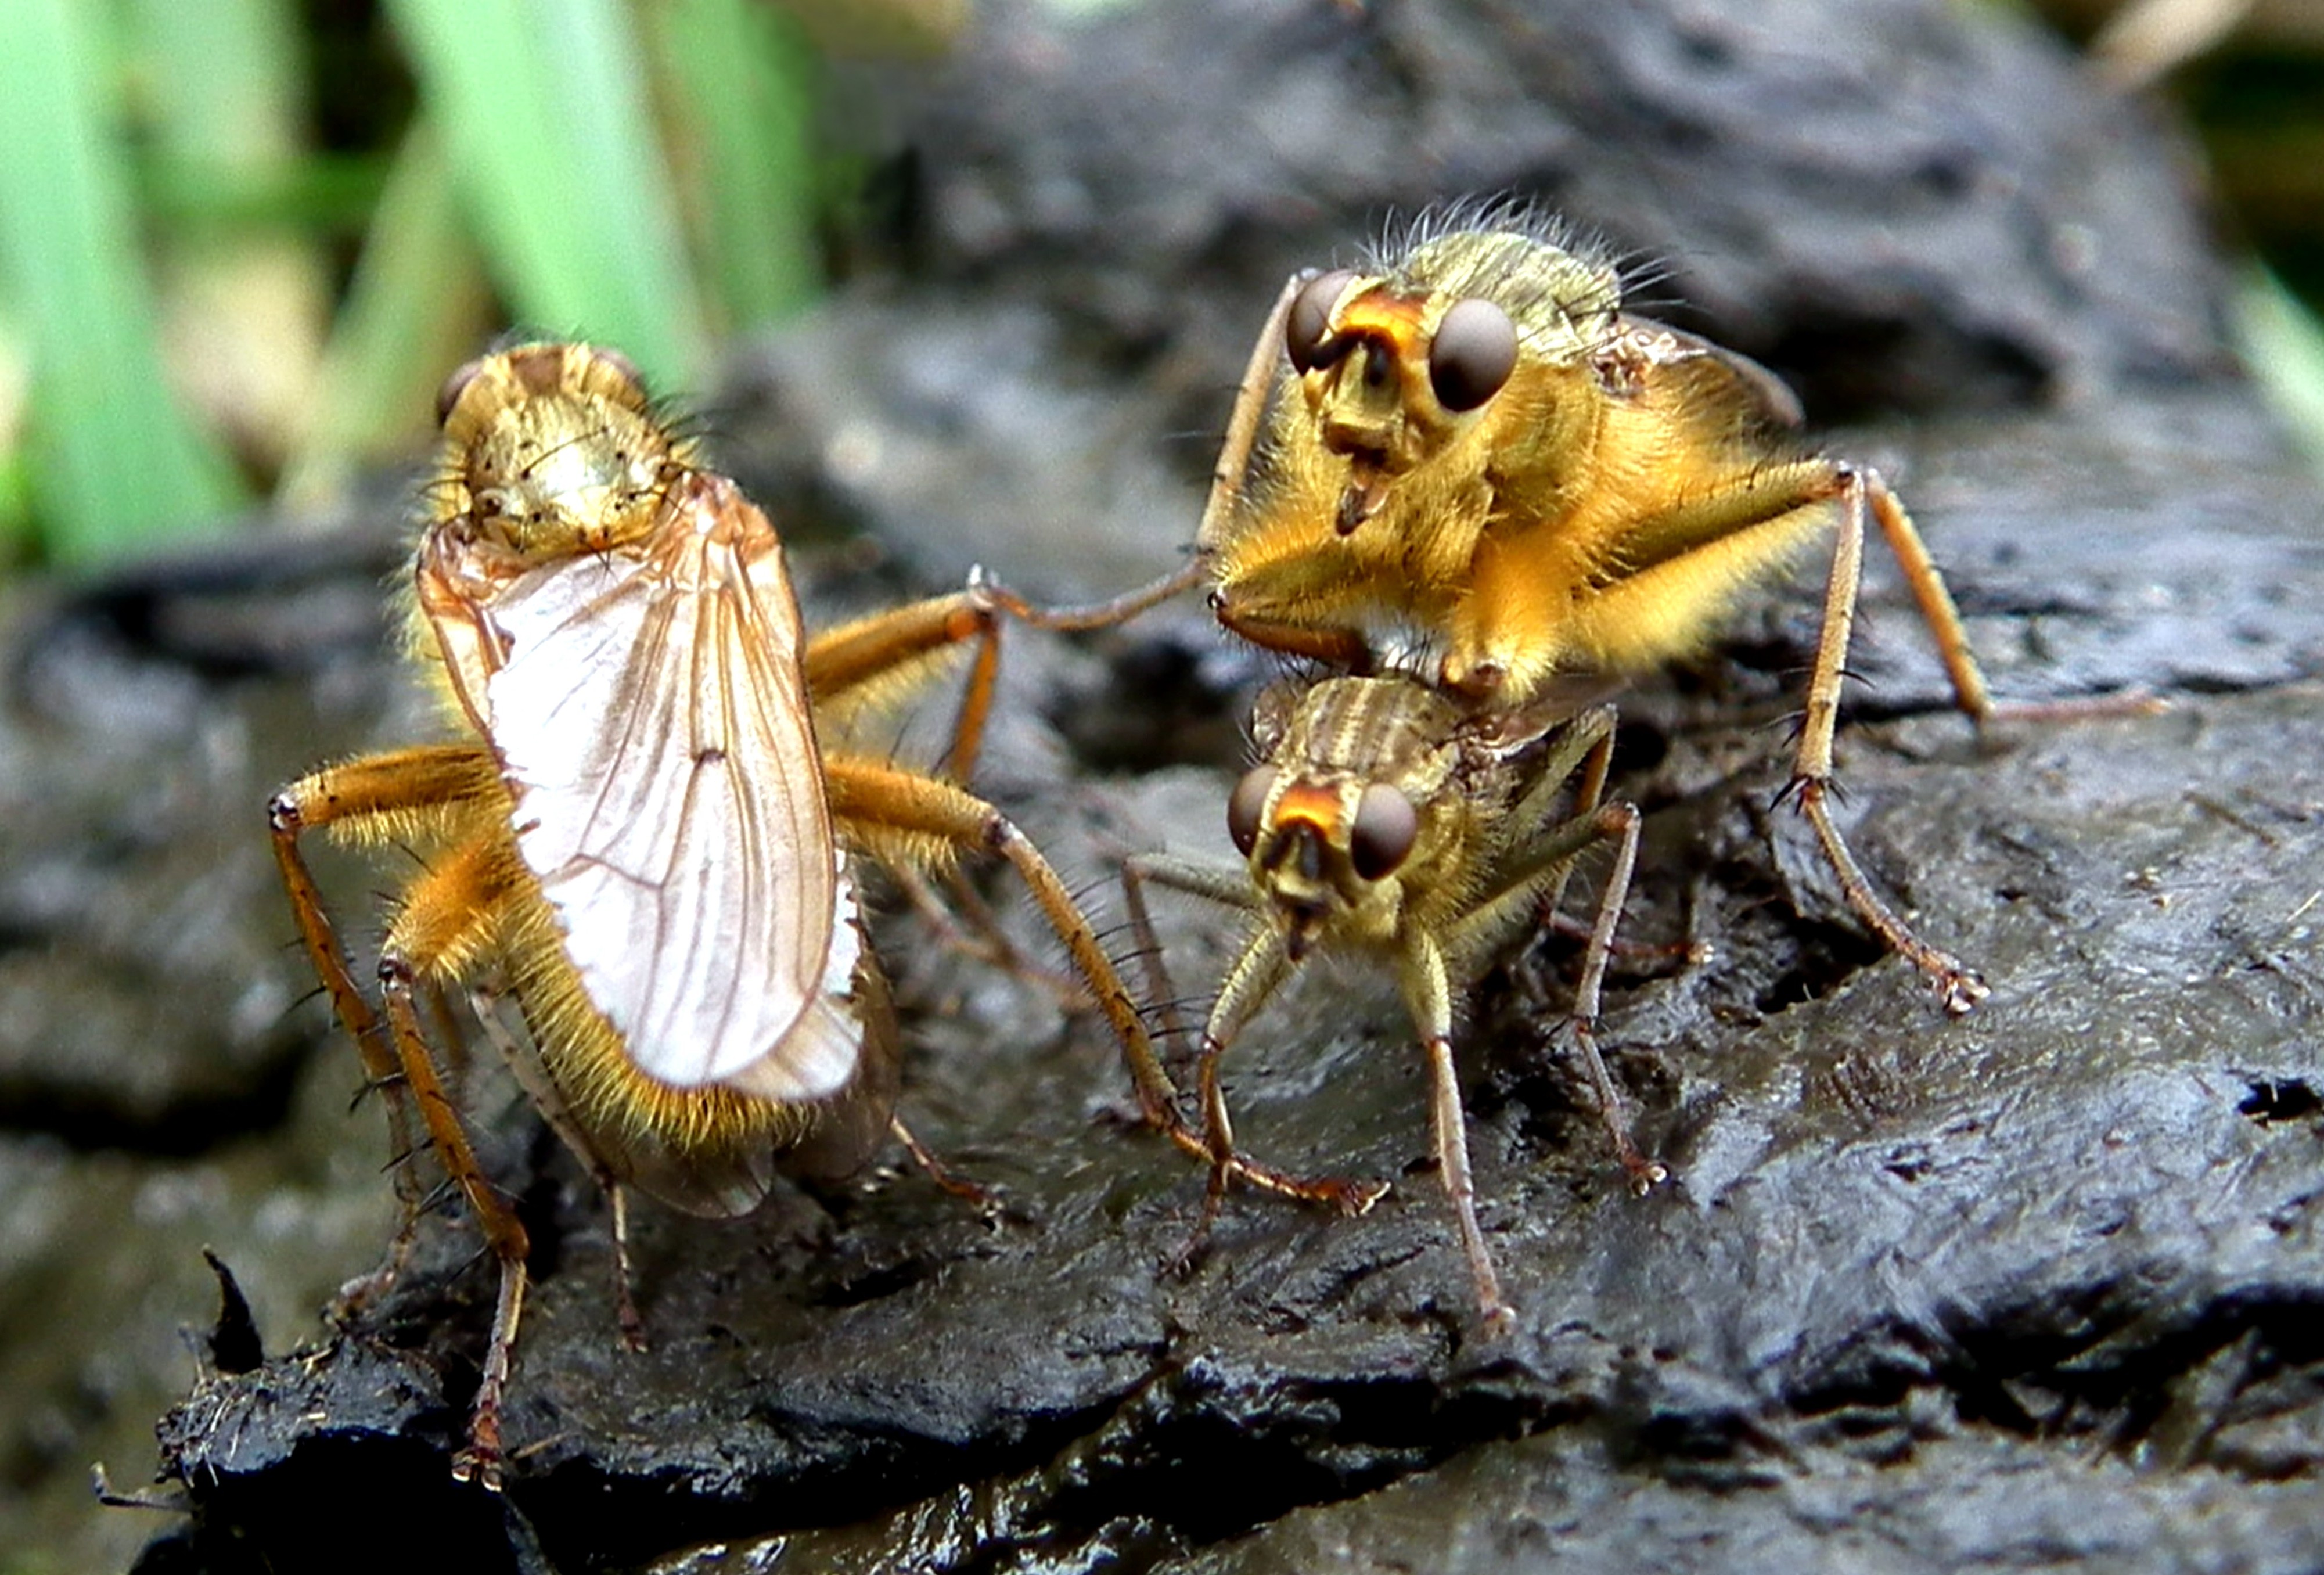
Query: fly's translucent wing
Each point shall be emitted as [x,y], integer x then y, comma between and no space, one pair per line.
[651,720]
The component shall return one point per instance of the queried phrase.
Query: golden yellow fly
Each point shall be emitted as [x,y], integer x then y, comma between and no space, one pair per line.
[1472,449]
[1386,820]
[634,832]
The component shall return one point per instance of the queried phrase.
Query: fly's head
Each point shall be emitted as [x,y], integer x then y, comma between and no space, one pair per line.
[1350,811]
[551,451]
[1428,360]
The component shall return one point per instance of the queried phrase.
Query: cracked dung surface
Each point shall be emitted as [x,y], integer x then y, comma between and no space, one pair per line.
[2038,1286]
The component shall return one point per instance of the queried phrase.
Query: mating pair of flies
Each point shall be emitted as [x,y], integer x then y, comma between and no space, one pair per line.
[1462,481]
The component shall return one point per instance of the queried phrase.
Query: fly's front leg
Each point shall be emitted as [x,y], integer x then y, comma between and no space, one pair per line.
[1120,609]
[1228,475]
[1283,586]
[1258,972]
[1428,995]
[1345,649]
[375,797]
[1258,378]
[1268,570]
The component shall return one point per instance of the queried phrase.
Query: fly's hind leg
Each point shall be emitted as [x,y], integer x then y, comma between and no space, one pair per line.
[864,668]
[878,799]
[483,1002]
[376,797]
[447,918]
[1958,985]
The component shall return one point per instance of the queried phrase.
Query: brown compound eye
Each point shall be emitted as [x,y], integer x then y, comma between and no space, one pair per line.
[454,387]
[1248,803]
[1310,320]
[621,365]
[1474,352]
[1386,825]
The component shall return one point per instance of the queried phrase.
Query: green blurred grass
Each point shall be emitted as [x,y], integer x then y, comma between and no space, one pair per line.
[241,241]
[218,275]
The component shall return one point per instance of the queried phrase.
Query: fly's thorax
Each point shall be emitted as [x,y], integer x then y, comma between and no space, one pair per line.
[552,450]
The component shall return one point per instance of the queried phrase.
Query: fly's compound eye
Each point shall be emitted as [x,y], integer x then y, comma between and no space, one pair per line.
[1305,329]
[1385,827]
[619,364]
[1244,808]
[454,387]
[1474,352]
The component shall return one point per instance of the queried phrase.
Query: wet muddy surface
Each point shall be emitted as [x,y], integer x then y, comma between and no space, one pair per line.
[2034,1287]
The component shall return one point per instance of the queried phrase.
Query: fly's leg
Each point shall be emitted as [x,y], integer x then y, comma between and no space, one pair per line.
[378,795]
[1228,888]
[1958,985]
[1756,518]
[1227,477]
[874,799]
[948,1181]
[962,919]
[1333,645]
[626,1316]
[1120,609]
[863,668]
[447,916]
[1945,627]
[1449,1124]
[485,1004]
[1259,374]
[1159,1093]
[1545,863]
[873,663]
[1251,981]
[1428,995]
[1618,821]
[1289,574]
[1584,754]
[1249,984]
[1263,573]
[1852,487]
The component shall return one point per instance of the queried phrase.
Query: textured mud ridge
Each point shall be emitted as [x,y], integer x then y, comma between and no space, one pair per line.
[2036,1287]
[2057,1259]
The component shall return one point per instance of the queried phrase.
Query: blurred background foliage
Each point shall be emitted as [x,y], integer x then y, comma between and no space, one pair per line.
[241,241]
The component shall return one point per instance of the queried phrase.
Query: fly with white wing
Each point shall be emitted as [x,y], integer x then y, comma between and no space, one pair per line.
[634,835]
